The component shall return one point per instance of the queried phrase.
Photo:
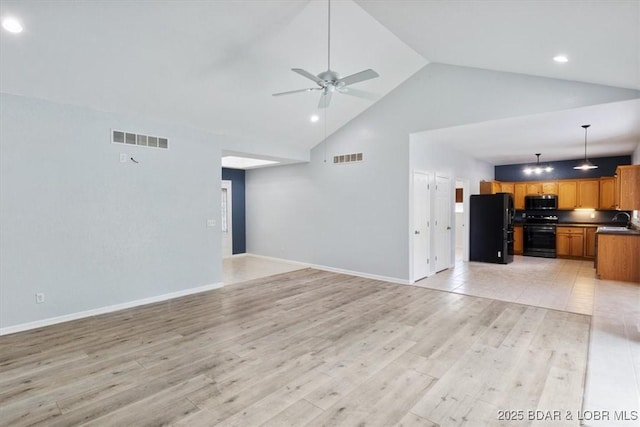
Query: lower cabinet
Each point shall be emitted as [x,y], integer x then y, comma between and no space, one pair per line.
[590,242]
[576,242]
[518,240]
[618,257]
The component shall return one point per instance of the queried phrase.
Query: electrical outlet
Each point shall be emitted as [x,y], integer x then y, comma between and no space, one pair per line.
[123,158]
[39,298]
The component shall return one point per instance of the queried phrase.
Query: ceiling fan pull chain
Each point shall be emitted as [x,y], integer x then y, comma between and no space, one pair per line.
[329,36]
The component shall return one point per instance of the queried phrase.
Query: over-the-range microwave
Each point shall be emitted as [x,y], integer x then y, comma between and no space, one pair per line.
[537,202]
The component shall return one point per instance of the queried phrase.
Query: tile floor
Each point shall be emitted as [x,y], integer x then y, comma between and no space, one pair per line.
[613,372]
[240,268]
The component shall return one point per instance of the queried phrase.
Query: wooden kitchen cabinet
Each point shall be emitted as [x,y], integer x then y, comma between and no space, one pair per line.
[570,242]
[618,257]
[606,195]
[567,195]
[549,187]
[490,187]
[582,193]
[590,242]
[507,187]
[518,239]
[534,188]
[627,187]
[572,194]
[588,193]
[519,191]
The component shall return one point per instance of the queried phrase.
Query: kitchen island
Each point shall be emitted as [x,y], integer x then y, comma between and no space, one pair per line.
[618,254]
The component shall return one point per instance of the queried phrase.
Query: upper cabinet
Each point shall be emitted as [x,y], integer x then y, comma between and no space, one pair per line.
[507,187]
[620,192]
[550,187]
[490,187]
[627,187]
[588,193]
[519,190]
[578,194]
[607,193]
[567,195]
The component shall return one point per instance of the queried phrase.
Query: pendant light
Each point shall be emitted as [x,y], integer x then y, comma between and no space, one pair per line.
[538,168]
[586,164]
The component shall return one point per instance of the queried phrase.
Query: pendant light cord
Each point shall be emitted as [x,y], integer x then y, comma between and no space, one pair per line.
[585,141]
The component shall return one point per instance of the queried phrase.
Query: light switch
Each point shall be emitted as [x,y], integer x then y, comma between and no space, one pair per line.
[211,223]
[123,158]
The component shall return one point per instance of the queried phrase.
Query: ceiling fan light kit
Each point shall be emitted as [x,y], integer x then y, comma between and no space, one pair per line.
[329,81]
[585,164]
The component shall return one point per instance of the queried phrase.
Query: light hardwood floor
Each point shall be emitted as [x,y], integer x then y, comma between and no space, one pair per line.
[301,348]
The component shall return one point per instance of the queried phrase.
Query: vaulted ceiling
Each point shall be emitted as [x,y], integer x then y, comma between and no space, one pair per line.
[213,65]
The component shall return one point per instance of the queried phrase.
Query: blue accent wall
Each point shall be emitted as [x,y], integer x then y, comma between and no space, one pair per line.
[236,176]
[562,169]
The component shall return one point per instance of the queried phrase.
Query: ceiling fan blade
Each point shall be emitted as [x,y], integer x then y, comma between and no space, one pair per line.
[295,91]
[359,77]
[325,99]
[360,93]
[308,75]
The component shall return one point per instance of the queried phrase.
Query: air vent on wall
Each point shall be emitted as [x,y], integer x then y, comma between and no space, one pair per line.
[120,137]
[347,158]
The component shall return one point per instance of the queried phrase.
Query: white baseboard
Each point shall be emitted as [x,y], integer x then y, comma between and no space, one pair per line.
[270,258]
[108,309]
[337,270]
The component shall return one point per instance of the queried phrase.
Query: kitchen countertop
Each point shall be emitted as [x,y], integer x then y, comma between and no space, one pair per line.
[580,224]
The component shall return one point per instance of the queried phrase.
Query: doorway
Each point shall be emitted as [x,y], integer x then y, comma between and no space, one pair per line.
[226,218]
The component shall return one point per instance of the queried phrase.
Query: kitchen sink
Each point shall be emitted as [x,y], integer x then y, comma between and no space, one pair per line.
[611,229]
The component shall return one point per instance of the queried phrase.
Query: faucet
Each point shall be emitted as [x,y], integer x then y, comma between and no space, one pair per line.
[615,217]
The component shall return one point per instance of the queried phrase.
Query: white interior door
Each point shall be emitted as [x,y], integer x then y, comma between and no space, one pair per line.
[442,222]
[420,221]
[461,220]
[226,222]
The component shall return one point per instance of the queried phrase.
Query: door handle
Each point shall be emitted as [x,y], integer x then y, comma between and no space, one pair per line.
[448,228]
[416,232]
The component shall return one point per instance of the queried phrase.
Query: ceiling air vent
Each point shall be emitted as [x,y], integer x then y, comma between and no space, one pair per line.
[120,137]
[347,158]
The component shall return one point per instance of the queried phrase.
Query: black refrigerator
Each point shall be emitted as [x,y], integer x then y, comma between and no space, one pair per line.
[491,228]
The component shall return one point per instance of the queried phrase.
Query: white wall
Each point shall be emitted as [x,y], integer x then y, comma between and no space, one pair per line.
[428,156]
[635,157]
[89,231]
[355,217]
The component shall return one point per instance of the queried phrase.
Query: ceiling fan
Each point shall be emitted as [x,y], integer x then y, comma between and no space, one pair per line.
[329,81]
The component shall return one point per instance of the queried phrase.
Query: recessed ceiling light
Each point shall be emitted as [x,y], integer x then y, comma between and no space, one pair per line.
[314,118]
[561,58]
[12,25]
